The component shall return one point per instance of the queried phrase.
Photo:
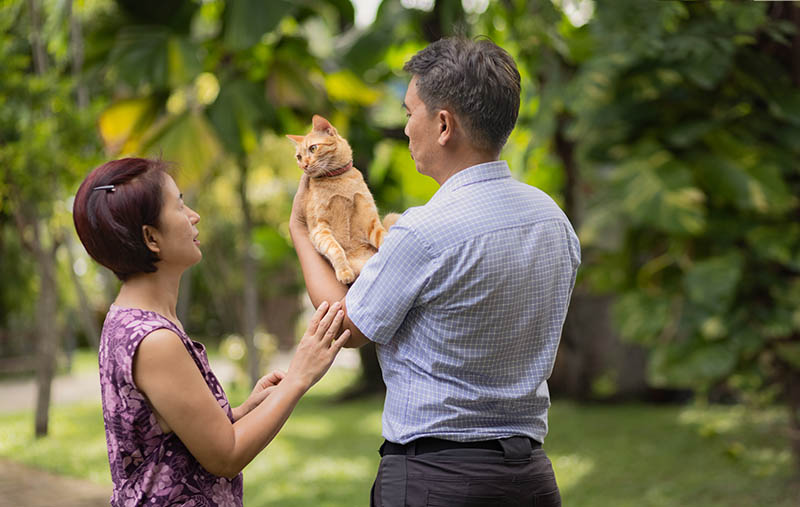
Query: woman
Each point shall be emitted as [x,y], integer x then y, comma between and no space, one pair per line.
[172,436]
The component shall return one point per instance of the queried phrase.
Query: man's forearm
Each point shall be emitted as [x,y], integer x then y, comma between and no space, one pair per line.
[321,282]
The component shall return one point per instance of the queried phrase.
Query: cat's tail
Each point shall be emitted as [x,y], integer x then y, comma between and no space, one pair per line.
[390,219]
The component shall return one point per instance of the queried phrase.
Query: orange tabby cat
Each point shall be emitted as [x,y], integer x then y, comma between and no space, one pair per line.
[342,219]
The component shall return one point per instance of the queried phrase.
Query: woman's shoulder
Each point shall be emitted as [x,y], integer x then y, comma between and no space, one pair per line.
[137,321]
[162,343]
[125,328]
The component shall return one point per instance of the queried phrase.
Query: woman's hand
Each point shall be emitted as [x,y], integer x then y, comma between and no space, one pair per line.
[298,216]
[263,388]
[319,346]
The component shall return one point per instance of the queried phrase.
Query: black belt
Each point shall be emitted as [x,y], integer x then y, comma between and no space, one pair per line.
[430,444]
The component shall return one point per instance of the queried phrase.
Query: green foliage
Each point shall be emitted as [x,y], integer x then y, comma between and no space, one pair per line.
[368,51]
[695,210]
[45,138]
[149,56]
[240,107]
[246,21]
[187,137]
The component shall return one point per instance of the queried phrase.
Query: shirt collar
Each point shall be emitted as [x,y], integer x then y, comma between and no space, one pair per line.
[477,173]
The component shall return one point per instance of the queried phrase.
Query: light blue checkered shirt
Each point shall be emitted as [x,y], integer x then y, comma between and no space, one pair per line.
[466,299]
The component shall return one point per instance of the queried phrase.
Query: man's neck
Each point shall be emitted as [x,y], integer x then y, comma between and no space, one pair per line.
[456,164]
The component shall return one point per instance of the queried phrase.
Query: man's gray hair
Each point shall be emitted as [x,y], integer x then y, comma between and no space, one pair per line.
[477,80]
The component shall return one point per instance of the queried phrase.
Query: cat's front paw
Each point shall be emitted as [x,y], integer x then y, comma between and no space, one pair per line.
[345,275]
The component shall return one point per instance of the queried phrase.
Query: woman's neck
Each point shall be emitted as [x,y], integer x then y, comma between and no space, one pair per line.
[156,292]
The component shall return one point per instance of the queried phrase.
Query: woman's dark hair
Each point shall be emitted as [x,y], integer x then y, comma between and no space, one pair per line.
[477,80]
[109,219]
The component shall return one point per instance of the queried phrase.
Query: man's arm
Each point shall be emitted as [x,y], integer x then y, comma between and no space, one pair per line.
[320,278]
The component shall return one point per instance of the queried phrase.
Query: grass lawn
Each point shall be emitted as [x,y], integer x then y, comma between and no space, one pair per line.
[604,455]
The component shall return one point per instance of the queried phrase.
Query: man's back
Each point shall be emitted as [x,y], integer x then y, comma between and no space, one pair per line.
[487,284]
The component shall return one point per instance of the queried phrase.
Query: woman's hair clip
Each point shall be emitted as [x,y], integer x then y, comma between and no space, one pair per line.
[109,188]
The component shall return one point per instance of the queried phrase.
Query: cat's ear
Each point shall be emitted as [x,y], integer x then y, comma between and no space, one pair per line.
[296,139]
[322,125]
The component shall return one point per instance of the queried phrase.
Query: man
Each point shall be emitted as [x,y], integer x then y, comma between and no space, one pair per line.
[465,299]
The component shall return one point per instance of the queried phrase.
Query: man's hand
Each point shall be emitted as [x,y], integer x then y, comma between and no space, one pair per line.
[298,217]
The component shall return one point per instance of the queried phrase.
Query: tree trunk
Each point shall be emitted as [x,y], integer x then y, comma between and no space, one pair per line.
[250,290]
[47,334]
[37,46]
[592,361]
[371,381]
[565,149]
[76,48]
[792,392]
[216,271]
[46,341]
[371,375]
[281,307]
[90,328]
[794,416]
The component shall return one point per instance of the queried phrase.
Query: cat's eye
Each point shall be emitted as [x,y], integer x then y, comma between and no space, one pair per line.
[312,148]
[299,156]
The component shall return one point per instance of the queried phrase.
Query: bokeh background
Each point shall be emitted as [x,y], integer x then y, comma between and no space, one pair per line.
[668,132]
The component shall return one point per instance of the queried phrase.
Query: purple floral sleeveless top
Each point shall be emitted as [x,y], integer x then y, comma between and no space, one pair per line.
[149,467]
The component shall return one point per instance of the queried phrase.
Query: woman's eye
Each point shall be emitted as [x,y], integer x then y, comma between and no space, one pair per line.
[312,148]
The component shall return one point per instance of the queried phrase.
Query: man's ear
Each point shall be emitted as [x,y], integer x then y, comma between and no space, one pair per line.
[447,125]
[149,235]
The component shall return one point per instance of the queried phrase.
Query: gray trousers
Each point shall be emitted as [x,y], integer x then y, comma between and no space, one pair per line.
[515,476]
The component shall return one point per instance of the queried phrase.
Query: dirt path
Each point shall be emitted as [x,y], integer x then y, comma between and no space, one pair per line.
[23,486]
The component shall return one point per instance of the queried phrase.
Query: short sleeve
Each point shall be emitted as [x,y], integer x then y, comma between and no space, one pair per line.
[389,284]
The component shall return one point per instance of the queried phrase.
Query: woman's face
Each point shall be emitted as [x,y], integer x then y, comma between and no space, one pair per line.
[176,233]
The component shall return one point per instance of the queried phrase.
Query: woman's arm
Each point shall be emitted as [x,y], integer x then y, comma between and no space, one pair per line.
[320,278]
[262,389]
[170,379]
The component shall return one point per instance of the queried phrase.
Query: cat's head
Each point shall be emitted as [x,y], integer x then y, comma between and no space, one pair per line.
[322,150]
